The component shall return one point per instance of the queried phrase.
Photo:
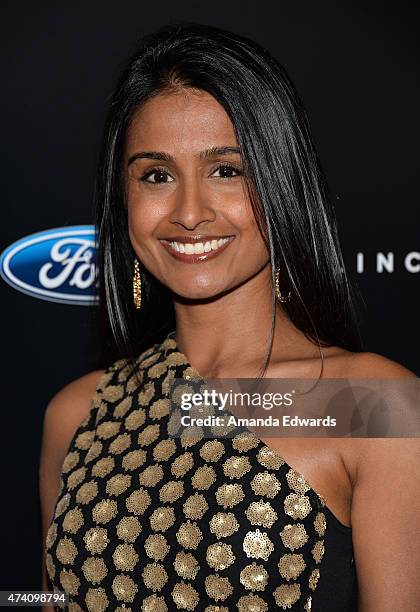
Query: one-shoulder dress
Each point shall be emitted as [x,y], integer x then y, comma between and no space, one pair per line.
[150,522]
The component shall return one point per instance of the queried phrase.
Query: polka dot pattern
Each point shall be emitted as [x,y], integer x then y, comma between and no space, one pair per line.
[146,521]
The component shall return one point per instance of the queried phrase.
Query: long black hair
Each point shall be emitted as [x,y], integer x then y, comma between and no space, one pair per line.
[284,178]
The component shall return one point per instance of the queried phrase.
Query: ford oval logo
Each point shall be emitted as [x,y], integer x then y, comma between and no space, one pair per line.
[55,265]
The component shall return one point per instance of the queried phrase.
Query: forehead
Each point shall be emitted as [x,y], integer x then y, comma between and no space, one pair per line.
[188,120]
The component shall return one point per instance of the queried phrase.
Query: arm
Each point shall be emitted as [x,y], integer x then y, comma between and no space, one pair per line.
[386,525]
[65,411]
[385,513]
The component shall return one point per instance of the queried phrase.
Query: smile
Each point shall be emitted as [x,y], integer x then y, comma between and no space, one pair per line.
[193,252]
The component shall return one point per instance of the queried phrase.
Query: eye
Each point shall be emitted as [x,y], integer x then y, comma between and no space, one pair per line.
[159,176]
[227,171]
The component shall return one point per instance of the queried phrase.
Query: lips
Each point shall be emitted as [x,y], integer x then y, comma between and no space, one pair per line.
[196,249]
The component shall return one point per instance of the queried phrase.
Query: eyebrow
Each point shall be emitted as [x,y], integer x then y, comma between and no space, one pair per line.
[211,152]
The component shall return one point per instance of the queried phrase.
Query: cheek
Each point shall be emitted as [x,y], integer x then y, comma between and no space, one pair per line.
[144,215]
[242,215]
[240,210]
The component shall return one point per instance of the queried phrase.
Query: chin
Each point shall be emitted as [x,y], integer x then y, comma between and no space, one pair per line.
[199,293]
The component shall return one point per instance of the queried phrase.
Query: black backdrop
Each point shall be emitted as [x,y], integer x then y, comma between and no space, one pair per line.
[355,65]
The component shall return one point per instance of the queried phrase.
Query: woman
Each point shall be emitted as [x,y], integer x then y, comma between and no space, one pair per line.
[213,217]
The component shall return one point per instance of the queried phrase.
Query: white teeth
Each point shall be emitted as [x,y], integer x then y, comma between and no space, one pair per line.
[190,248]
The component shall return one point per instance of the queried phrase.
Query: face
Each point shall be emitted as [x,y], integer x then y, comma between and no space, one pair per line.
[190,218]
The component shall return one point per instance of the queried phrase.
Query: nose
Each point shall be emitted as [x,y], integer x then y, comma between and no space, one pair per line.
[192,205]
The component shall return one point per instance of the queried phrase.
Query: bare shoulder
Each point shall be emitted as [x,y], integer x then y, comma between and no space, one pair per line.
[375,450]
[374,365]
[71,404]
[360,455]
[67,409]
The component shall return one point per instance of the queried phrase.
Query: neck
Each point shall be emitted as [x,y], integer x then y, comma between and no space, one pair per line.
[230,335]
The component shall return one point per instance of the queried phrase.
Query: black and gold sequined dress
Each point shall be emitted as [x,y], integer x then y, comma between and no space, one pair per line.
[149,522]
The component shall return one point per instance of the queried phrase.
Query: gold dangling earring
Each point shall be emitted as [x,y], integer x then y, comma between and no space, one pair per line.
[279,296]
[137,284]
